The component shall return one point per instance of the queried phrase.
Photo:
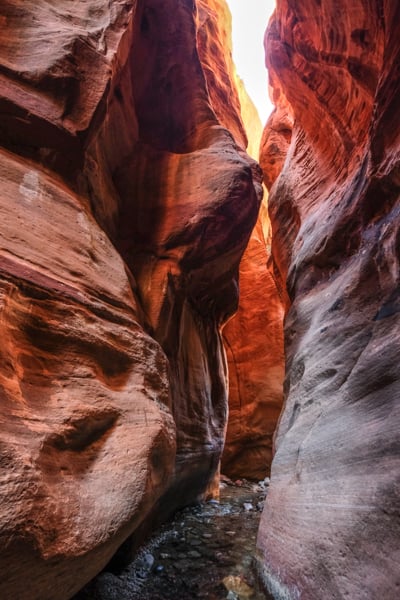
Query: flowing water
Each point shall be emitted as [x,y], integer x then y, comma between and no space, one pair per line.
[205,552]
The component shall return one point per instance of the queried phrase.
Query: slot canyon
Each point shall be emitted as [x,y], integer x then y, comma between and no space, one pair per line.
[166,320]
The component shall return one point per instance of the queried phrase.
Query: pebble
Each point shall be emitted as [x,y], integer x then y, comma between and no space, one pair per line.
[238,586]
[195,542]
[182,565]
[202,545]
[194,554]
[148,560]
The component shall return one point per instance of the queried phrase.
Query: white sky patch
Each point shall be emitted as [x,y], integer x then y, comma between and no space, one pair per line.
[249,22]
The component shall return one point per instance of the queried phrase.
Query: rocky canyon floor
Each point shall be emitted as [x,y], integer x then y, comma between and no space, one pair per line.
[206,551]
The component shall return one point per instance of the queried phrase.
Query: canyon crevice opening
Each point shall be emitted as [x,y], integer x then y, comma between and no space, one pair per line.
[143,274]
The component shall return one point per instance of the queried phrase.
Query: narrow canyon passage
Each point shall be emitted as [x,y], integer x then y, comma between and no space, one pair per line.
[163,321]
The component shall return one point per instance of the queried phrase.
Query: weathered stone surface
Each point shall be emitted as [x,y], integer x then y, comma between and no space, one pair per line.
[253,338]
[126,206]
[214,40]
[330,528]
[255,360]
[86,445]
[185,199]
[254,345]
[275,140]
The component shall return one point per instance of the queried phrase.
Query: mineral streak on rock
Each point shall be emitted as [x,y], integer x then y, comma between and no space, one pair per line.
[330,528]
[126,206]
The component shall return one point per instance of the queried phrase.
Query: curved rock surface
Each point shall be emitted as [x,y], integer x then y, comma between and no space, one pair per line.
[185,198]
[330,528]
[126,207]
[87,443]
[252,337]
[253,340]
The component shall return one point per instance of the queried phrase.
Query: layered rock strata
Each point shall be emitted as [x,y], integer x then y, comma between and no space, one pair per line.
[330,528]
[126,207]
[87,443]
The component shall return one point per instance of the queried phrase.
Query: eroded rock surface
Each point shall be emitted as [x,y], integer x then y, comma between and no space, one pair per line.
[253,337]
[126,206]
[186,198]
[87,443]
[254,345]
[331,523]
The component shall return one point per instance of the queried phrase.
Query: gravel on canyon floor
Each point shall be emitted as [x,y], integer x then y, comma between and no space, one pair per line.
[205,552]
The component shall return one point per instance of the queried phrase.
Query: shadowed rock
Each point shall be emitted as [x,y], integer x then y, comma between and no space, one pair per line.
[330,527]
[126,206]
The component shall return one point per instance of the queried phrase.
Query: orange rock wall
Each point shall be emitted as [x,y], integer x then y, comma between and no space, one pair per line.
[185,202]
[254,345]
[253,339]
[126,206]
[330,527]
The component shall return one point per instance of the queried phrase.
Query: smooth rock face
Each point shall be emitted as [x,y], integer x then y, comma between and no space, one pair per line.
[253,340]
[87,444]
[126,206]
[331,525]
[253,337]
[185,199]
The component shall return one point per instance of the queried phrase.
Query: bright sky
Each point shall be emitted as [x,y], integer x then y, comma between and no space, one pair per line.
[249,22]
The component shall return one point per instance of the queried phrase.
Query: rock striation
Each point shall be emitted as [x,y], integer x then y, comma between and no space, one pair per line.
[87,443]
[330,528]
[127,202]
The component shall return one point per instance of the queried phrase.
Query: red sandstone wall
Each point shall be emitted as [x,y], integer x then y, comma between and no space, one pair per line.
[253,340]
[330,528]
[253,337]
[185,202]
[126,206]
[254,344]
